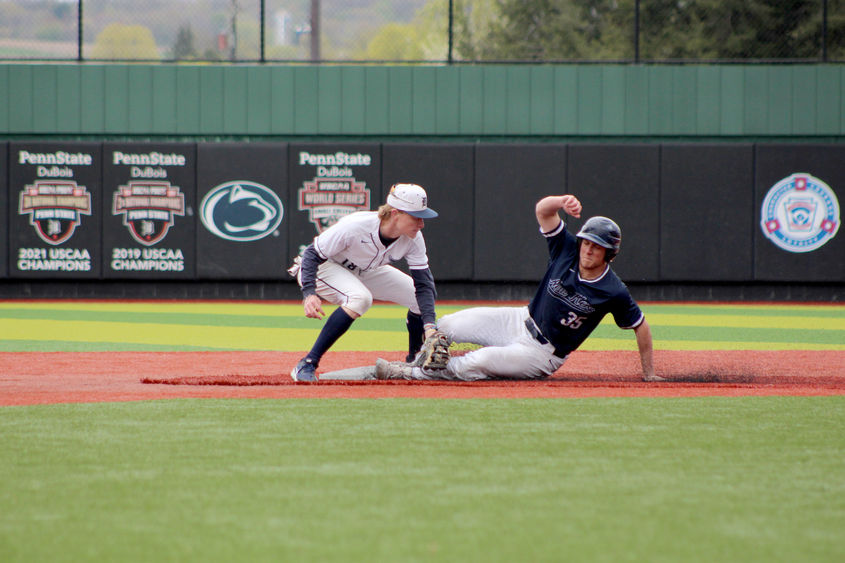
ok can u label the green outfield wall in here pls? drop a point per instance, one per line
(206, 100)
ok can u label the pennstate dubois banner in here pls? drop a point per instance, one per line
(149, 192)
(54, 203)
(327, 182)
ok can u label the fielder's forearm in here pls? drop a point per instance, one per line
(308, 270)
(425, 294)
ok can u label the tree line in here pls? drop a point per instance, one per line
(458, 30)
(544, 30)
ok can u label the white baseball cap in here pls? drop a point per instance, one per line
(411, 199)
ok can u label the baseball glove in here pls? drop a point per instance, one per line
(434, 353)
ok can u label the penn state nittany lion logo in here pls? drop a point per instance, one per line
(241, 211)
(55, 208)
(800, 213)
(148, 209)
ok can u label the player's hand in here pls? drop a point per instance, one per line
(313, 307)
(571, 205)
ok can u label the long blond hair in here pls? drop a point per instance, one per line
(384, 212)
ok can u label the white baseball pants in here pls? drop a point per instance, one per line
(357, 290)
(510, 352)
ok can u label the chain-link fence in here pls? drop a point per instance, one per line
(436, 31)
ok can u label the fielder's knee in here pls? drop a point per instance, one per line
(359, 302)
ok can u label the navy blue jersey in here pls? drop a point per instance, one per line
(566, 308)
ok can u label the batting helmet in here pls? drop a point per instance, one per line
(604, 232)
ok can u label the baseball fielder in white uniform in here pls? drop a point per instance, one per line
(348, 265)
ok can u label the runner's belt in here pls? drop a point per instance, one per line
(538, 336)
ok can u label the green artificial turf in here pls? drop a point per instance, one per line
(190, 326)
(693, 479)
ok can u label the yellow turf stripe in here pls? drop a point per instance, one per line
(239, 338)
(249, 309)
(840, 308)
(595, 343)
(269, 309)
(382, 311)
(745, 321)
(286, 339)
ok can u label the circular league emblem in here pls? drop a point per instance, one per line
(800, 213)
(241, 211)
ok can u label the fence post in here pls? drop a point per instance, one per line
(824, 31)
(451, 28)
(261, 34)
(315, 30)
(637, 31)
(79, 33)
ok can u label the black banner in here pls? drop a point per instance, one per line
(622, 182)
(704, 211)
(4, 210)
(149, 228)
(448, 176)
(510, 179)
(54, 201)
(242, 231)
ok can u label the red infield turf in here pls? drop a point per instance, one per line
(72, 377)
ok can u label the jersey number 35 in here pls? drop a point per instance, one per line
(573, 321)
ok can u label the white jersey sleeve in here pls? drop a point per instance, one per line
(416, 257)
(334, 240)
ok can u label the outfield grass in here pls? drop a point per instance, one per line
(705, 479)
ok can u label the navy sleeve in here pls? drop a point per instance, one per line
(560, 241)
(425, 293)
(308, 270)
(627, 313)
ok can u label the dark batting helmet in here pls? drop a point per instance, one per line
(604, 232)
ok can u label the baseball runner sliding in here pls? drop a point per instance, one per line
(578, 289)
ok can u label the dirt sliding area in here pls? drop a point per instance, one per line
(28, 378)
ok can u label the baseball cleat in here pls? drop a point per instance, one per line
(393, 370)
(654, 378)
(304, 371)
